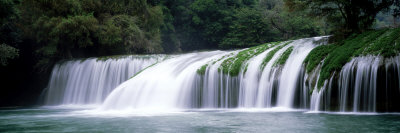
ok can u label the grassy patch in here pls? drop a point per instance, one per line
(272, 53)
(283, 58)
(233, 65)
(317, 55)
(383, 42)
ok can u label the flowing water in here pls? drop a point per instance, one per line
(76, 120)
(90, 81)
(199, 92)
(365, 84)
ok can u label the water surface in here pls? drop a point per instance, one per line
(235, 120)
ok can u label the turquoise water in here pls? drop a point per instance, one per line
(80, 120)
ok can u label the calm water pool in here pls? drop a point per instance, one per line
(81, 120)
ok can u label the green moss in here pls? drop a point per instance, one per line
(272, 53)
(317, 55)
(202, 69)
(245, 68)
(283, 58)
(383, 42)
(233, 65)
(387, 45)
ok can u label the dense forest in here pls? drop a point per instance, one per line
(36, 34)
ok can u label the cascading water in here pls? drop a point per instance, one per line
(290, 72)
(267, 76)
(90, 81)
(365, 84)
(174, 83)
(163, 86)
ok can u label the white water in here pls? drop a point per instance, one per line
(266, 84)
(249, 81)
(174, 84)
(213, 84)
(90, 81)
(291, 71)
(358, 85)
(162, 86)
(363, 83)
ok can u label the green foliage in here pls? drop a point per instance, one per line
(7, 53)
(285, 55)
(236, 24)
(233, 65)
(386, 45)
(248, 28)
(317, 55)
(383, 42)
(82, 28)
(202, 69)
(347, 16)
(293, 25)
(58, 36)
(9, 33)
(272, 53)
(85, 28)
(122, 31)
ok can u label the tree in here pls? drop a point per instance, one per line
(248, 28)
(83, 28)
(396, 12)
(287, 25)
(7, 53)
(9, 33)
(348, 15)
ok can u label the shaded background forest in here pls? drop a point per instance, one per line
(35, 34)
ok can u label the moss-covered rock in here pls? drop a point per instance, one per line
(202, 69)
(272, 53)
(283, 58)
(233, 65)
(384, 42)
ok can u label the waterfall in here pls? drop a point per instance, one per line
(291, 70)
(249, 82)
(90, 81)
(362, 84)
(175, 83)
(267, 76)
(166, 85)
